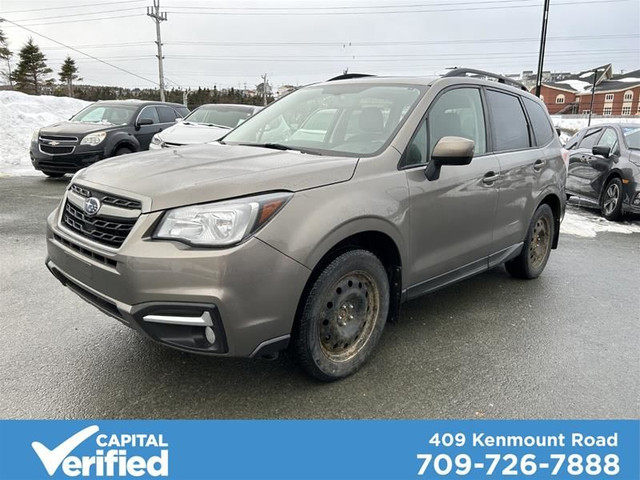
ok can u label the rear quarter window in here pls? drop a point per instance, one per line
(540, 123)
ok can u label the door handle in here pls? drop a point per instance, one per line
(539, 164)
(490, 177)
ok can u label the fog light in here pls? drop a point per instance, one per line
(210, 335)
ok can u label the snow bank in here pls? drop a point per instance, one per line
(571, 124)
(587, 223)
(20, 115)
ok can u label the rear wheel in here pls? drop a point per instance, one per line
(537, 246)
(611, 201)
(53, 174)
(343, 316)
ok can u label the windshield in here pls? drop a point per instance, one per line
(220, 115)
(632, 136)
(107, 114)
(349, 119)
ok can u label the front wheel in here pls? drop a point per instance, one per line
(611, 202)
(343, 316)
(537, 246)
(122, 151)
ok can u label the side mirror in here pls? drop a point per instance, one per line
(601, 150)
(144, 121)
(449, 151)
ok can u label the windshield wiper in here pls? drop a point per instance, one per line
(279, 146)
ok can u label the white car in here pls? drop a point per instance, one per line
(205, 124)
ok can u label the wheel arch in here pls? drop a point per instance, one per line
(382, 245)
(124, 141)
(554, 202)
(612, 174)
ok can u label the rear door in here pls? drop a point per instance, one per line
(452, 217)
(526, 166)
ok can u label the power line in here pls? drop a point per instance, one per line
(79, 51)
(73, 6)
(289, 12)
(85, 14)
(81, 20)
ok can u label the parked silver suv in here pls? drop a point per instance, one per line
(313, 239)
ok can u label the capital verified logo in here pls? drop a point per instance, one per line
(106, 455)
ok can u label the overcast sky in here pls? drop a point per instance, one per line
(233, 42)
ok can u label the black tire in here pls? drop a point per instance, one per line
(537, 246)
(343, 316)
(611, 200)
(122, 151)
(53, 174)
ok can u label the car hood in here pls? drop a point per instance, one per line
(75, 128)
(188, 134)
(193, 174)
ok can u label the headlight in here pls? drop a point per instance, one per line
(220, 224)
(94, 138)
(35, 135)
(156, 140)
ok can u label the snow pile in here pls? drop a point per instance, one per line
(571, 125)
(20, 115)
(588, 223)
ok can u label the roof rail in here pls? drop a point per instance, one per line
(462, 72)
(348, 76)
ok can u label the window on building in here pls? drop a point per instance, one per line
(586, 111)
(542, 98)
(560, 98)
(628, 96)
(626, 110)
(606, 111)
(608, 97)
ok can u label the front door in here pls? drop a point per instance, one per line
(451, 218)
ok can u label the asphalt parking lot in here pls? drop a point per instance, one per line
(562, 346)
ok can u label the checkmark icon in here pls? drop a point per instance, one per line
(51, 459)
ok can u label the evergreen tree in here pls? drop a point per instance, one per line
(6, 54)
(68, 73)
(32, 71)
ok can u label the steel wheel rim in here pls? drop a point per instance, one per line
(348, 316)
(540, 242)
(611, 198)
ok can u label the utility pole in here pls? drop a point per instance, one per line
(593, 95)
(543, 44)
(157, 17)
(264, 89)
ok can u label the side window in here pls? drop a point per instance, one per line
(167, 114)
(510, 129)
(457, 113)
(416, 153)
(590, 138)
(149, 112)
(540, 122)
(609, 139)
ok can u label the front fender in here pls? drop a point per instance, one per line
(119, 139)
(314, 221)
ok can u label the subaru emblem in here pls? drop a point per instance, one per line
(91, 206)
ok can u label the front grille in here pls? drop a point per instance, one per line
(56, 150)
(102, 229)
(59, 138)
(107, 199)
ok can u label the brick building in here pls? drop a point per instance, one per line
(614, 94)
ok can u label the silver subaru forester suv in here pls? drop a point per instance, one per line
(309, 224)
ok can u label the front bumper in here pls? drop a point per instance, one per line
(81, 157)
(250, 292)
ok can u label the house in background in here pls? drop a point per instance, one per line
(614, 94)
